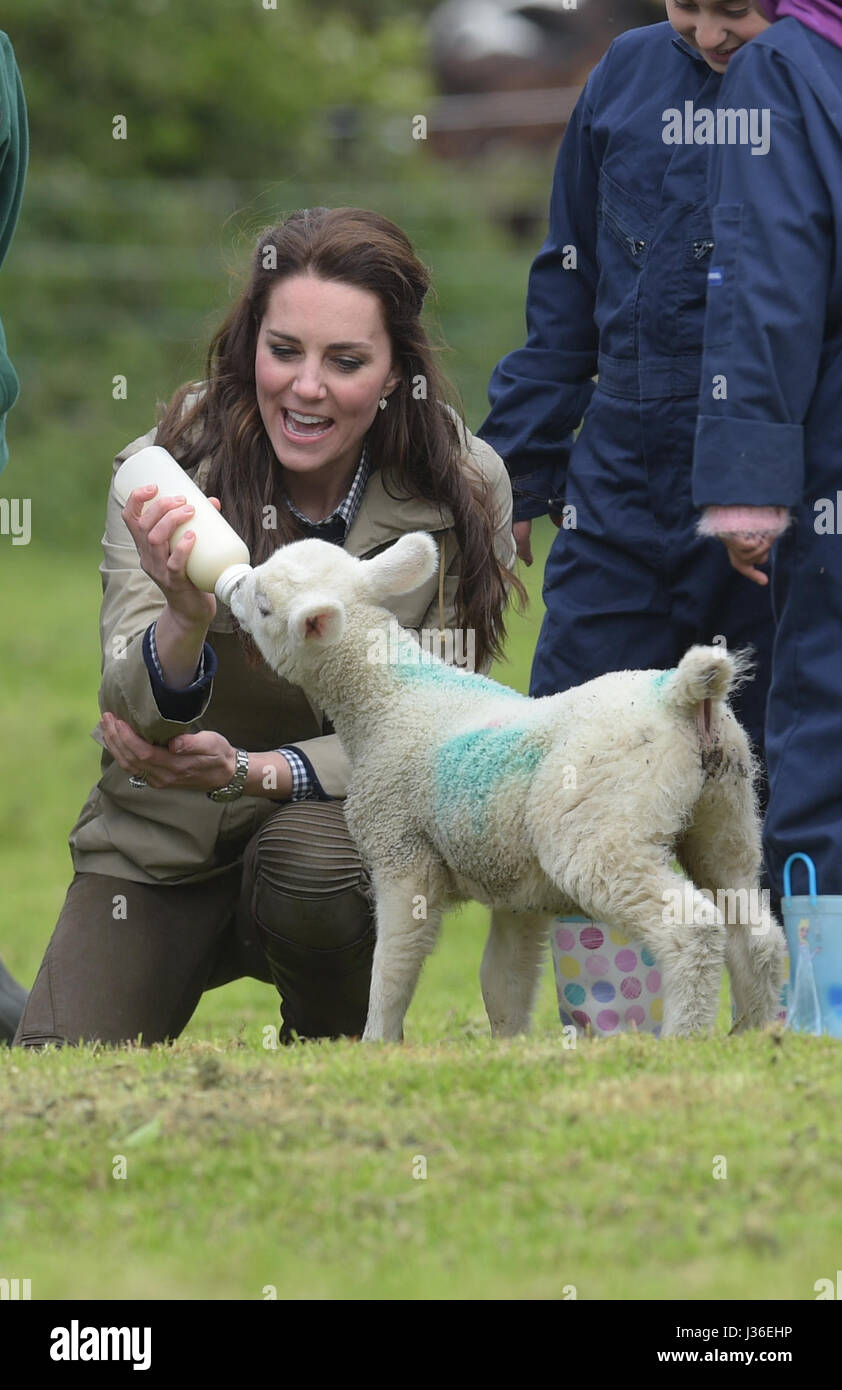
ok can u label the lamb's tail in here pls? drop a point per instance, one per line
(704, 676)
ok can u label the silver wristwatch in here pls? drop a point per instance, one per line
(238, 781)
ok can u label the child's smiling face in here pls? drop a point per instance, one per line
(715, 28)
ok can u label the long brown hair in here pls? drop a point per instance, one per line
(415, 442)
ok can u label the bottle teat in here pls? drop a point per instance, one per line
(228, 581)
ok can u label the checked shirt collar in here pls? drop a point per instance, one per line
(335, 527)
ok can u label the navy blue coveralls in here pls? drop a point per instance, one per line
(618, 289)
(774, 330)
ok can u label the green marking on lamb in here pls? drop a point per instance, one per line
(443, 677)
(472, 766)
(662, 678)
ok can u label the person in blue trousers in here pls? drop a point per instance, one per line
(769, 452)
(14, 151)
(618, 291)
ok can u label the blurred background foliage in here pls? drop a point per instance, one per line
(129, 251)
(217, 88)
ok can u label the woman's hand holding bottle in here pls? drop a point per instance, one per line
(151, 520)
(180, 631)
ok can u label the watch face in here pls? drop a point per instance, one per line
(238, 781)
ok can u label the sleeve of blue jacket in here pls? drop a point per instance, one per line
(14, 152)
(539, 393)
(767, 297)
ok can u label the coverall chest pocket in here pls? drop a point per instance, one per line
(687, 331)
(625, 229)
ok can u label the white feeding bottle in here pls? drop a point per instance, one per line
(219, 559)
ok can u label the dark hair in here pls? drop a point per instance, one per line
(415, 443)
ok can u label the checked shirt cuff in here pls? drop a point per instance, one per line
(304, 787)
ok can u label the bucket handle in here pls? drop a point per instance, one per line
(811, 875)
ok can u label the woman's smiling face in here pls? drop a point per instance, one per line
(715, 28)
(323, 360)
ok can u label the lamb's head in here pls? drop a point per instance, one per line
(294, 604)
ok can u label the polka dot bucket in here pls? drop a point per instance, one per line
(606, 984)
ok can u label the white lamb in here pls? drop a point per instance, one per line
(575, 803)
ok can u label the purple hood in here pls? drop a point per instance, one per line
(824, 16)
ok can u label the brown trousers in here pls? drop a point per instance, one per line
(130, 961)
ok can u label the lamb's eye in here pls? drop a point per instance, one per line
(264, 607)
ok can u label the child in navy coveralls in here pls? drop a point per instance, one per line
(618, 291)
(770, 451)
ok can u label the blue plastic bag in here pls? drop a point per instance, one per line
(813, 927)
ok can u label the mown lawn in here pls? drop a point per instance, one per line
(545, 1169)
(249, 1170)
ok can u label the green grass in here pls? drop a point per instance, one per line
(545, 1169)
(249, 1167)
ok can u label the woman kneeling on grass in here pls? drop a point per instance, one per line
(227, 854)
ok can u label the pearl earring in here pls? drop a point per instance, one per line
(384, 401)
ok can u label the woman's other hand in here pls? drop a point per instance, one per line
(199, 762)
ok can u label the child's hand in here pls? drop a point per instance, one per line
(747, 551)
(748, 533)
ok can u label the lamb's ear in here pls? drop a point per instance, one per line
(320, 621)
(407, 564)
